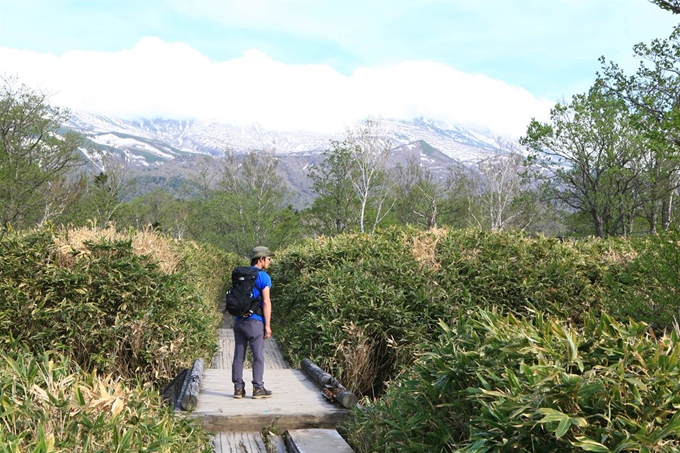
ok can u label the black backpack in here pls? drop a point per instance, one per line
(240, 301)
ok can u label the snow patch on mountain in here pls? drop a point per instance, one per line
(158, 139)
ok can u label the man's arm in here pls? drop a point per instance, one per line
(267, 311)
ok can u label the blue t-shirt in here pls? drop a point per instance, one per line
(262, 281)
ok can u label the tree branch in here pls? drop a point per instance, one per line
(669, 5)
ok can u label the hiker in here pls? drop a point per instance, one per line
(254, 329)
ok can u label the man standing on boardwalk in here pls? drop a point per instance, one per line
(254, 329)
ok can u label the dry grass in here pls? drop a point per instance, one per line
(424, 248)
(70, 244)
(359, 368)
(611, 256)
(55, 407)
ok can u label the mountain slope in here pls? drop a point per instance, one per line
(155, 141)
(166, 153)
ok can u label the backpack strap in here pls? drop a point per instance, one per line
(255, 306)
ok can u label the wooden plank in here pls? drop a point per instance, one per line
(316, 440)
(239, 442)
(296, 403)
(248, 442)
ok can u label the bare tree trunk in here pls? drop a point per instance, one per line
(667, 211)
(598, 223)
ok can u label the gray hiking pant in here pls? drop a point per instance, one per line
(248, 331)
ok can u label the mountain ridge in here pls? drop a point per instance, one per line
(160, 152)
(154, 141)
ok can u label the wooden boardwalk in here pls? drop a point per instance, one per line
(297, 402)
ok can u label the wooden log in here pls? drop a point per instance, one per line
(346, 398)
(332, 389)
(341, 395)
(172, 391)
(180, 396)
(320, 376)
(189, 399)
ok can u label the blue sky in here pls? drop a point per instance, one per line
(321, 64)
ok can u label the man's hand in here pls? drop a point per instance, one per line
(267, 332)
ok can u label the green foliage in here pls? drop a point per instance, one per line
(335, 209)
(498, 383)
(36, 163)
(647, 288)
(48, 404)
(500, 195)
(669, 5)
(419, 193)
(513, 270)
(354, 304)
(592, 153)
(157, 208)
(125, 311)
(352, 185)
(106, 306)
(650, 93)
(248, 206)
(361, 306)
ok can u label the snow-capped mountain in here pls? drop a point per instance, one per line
(152, 142)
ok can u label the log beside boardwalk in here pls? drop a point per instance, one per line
(332, 389)
(192, 385)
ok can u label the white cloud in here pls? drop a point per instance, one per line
(173, 80)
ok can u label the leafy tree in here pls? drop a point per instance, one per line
(590, 152)
(158, 209)
(499, 196)
(37, 163)
(351, 183)
(247, 207)
(652, 95)
(335, 206)
(657, 184)
(419, 194)
(108, 189)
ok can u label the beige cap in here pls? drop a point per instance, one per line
(260, 252)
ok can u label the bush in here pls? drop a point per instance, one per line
(498, 383)
(357, 305)
(515, 271)
(131, 304)
(362, 306)
(648, 288)
(48, 404)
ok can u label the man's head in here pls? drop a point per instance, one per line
(261, 257)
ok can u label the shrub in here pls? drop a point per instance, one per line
(648, 288)
(362, 306)
(354, 304)
(515, 271)
(48, 404)
(500, 383)
(133, 304)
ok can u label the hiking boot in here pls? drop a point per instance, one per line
(239, 393)
(261, 392)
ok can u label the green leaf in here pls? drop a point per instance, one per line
(563, 427)
(590, 445)
(551, 415)
(590, 389)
